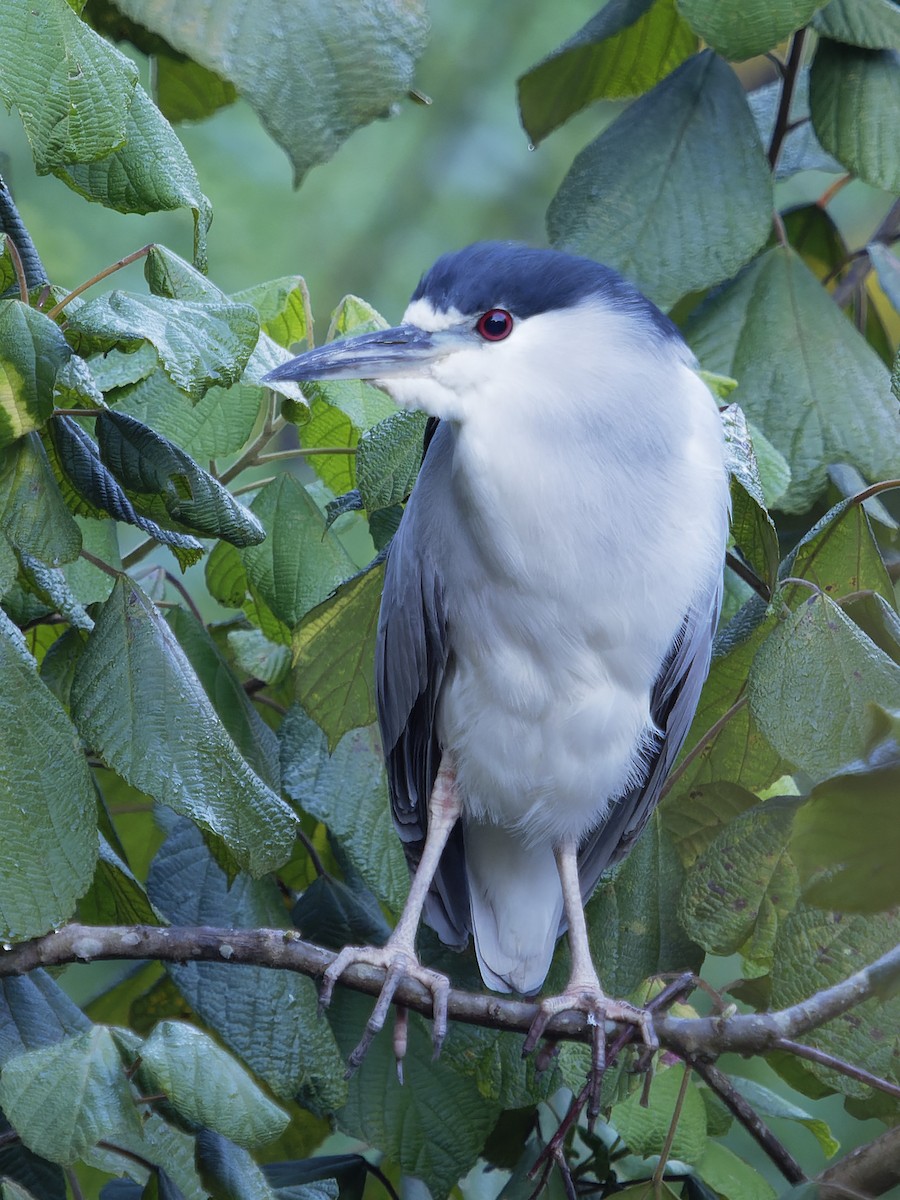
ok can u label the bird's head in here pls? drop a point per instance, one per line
(497, 318)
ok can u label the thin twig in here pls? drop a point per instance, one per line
(89, 283)
(74, 1185)
(789, 79)
(99, 563)
(673, 1126)
(313, 853)
(301, 452)
(184, 593)
(748, 575)
(856, 276)
(751, 1121)
(18, 268)
(830, 192)
(813, 1054)
(377, 1173)
(129, 1154)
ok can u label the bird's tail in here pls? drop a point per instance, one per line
(516, 905)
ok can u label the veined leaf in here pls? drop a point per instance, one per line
(138, 702)
(873, 24)
(644, 1129)
(33, 351)
(185, 91)
(699, 170)
(45, 529)
(741, 29)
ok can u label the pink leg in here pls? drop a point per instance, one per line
(398, 955)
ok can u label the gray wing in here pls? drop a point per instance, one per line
(673, 703)
(411, 656)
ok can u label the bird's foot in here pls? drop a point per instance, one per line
(398, 964)
(599, 1008)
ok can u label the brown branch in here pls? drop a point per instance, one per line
(57, 308)
(813, 1054)
(283, 949)
(783, 116)
(750, 1119)
(856, 276)
(868, 1170)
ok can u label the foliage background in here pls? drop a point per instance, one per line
(368, 222)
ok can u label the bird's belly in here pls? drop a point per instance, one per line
(546, 734)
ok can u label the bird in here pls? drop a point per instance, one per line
(550, 600)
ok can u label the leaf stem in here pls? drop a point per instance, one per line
(18, 268)
(701, 745)
(673, 1126)
(301, 452)
(856, 276)
(813, 1054)
(184, 593)
(89, 283)
(789, 80)
(99, 563)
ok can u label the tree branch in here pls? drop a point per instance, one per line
(868, 1170)
(695, 1038)
(789, 79)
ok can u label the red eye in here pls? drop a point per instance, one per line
(494, 325)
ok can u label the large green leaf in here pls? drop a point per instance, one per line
(149, 172)
(845, 862)
(33, 514)
(744, 28)
(205, 1086)
(47, 801)
(148, 464)
(644, 1128)
(817, 949)
(313, 74)
(676, 193)
(434, 1126)
(798, 360)
(63, 1098)
(854, 99)
(71, 87)
(20, 1168)
(388, 458)
(199, 344)
(730, 1176)
(628, 47)
(32, 351)
(266, 1017)
(743, 884)
(839, 555)
(300, 561)
(115, 897)
(283, 307)
(874, 24)
(334, 653)
(751, 526)
(137, 700)
(810, 685)
(185, 91)
(35, 1012)
(347, 791)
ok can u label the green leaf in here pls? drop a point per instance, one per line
(9, 565)
(685, 156)
(46, 528)
(741, 29)
(33, 351)
(115, 897)
(73, 90)
(252, 736)
(632, 917)
(92, 491)
(137, 700)
(145, 462)
(743, 884)
(268, 1018)
(283, 307)
(347, 791)
(334, 656)
(150, 172)
(300, 561)
(48, 805)
(627, 48)
(228, 1170)
(332, 914)
(645, 1129)
(730, 1176)
(388, 458)
(854, 98)
(257, 657)
(327, 72)
(815, 950)
(198, 344)
(887, 267)
(7, 270)
(811, 660)
(63, 1098)
(35, 1012)
(840, 556)
(797, 359)
(874, 24)
(707, 809)
(185, 91)
(434, 1126)
(206, 1086)
(844, 862)
(751, 526)
(770, 1104)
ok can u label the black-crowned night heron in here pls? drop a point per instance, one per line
(549, 603)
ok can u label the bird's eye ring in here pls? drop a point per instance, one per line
(494, 325)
